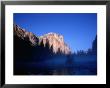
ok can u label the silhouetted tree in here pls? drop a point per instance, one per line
(94, 46)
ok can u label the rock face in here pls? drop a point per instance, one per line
(55, 41)
(31, 51)
(23, 34)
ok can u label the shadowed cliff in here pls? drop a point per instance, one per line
(32, 49)
(50, 55)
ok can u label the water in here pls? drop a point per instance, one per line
(79, 65)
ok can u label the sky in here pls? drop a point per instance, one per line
(78, 29)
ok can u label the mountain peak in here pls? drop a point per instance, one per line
(25, 35)
(54, 40)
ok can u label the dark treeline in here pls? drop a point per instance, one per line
(25, 54)
(90, 51)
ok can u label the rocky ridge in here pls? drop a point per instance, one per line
(54, 40)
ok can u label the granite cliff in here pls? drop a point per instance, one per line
(30, 49)
(54, 40)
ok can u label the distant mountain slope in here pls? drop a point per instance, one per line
(25, 35)
(54, 40)
(29, 48)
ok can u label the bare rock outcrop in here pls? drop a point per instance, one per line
(31, 51)
(25, 35)
(55, 41)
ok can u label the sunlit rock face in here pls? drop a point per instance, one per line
(39, 54)
(25, 35)
(55, 41)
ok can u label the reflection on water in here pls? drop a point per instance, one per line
(79, 65)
